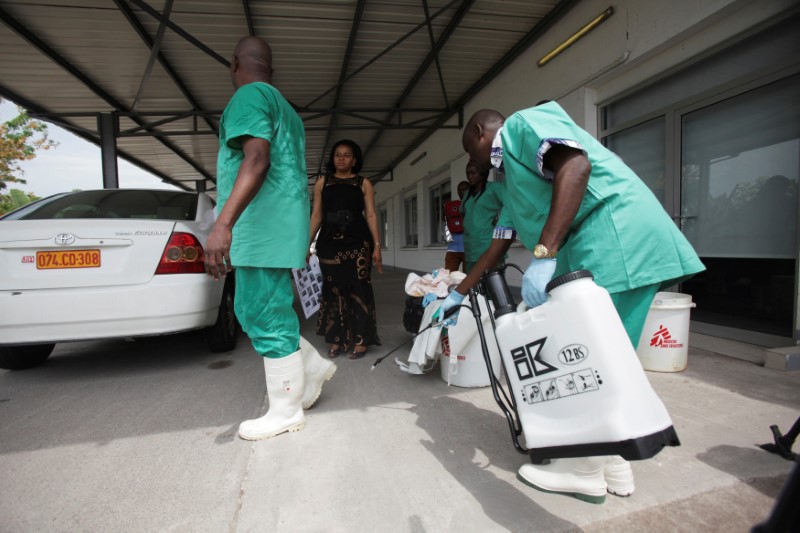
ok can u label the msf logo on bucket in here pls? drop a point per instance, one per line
(663, 339)
(528, 361)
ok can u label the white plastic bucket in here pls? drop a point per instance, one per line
(468, 369)
(664, 344)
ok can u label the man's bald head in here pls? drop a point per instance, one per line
(252, 61)
(487, 118)
(478, 136)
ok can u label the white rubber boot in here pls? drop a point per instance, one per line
(317, 371)
(285, 393)
(619, 476)
(581, 477)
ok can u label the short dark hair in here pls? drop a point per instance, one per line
(331, 168)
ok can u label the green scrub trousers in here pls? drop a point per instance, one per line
(633, 306)
(263, 305)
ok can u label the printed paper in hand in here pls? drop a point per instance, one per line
(308, 281)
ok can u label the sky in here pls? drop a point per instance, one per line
(73, 164)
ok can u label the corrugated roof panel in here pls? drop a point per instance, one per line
(309, 40)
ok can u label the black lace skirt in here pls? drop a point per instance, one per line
(347, 310)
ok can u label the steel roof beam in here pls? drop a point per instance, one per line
(215, 114)
(458, 107)
(435, 50)
(321, 127)
(36, 110)
(385, 51)
(432, 55)
(180, 31)
(157, 123)
(248, 18)
(29, 36)
(186, 35)
(54, 56)
(528, 39)
(155, 52)
(308, 115)
(359, 127)
(351, 41)
(165, 64)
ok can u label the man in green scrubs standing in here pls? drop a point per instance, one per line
(576, 205)
(262, 230)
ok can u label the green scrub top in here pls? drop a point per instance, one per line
(480, 214)
(272, 231)
(621, 232)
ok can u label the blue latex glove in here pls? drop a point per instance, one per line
(536, 278)
(428, 298)
(453, 299)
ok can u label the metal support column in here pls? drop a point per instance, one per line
(108, 127)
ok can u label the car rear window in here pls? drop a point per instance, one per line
(112, 203)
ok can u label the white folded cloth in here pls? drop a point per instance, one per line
(436, 282)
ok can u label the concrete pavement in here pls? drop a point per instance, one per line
(386, 451)
(140, 436)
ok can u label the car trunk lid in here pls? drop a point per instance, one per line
(41, 254)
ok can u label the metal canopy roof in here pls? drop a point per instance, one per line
(384, 73)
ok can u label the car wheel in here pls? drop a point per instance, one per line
(22, 357)
(222, 336)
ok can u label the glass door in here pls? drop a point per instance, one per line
(740, 160)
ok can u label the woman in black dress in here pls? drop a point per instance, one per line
(348, 246)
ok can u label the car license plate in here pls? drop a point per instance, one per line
(68, 259)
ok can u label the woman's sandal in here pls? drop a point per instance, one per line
(358, 354)
(333, 353)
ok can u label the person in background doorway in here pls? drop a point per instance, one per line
(454, 257)
(575, 205)
(261, 230)
(481, 206)
(347, 247)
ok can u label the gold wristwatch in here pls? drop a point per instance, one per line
(540, 251)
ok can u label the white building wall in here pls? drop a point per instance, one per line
(643, 40)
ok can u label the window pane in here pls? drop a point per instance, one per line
(642, 149)
(113, 203)
(739, 193)
(754, 53)
(383, 225)
(411, 221)
(439, 194)
(739, 174)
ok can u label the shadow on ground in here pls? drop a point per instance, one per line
(741, 463)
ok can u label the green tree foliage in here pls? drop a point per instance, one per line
(20, 139)
(15, 199)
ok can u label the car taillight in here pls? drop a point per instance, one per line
(182, 255)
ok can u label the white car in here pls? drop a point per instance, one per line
(108, 263)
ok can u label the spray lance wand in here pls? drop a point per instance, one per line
(436, 324)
